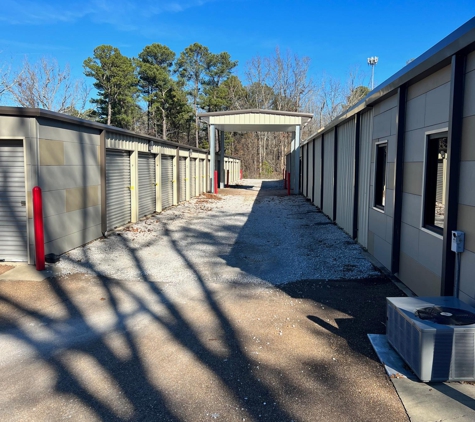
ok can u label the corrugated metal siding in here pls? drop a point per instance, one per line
(328, 166)
(13, 222)
(193, 177)
(318, 169)
(167, 181)
(182, 179)
(147, 184)
(305, 170)
(310, 170)
(345, 180)
(366, 133)
(118, 197)
(120, 141)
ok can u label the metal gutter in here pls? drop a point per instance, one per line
(254, 111)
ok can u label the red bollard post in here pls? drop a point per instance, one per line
(39, 230)
(288, 183)
(216, 181)
(227, 178)
(240, 174)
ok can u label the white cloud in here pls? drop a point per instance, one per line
(124, 14)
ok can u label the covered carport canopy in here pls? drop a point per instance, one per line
(255, 121)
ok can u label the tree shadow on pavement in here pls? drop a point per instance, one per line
(89, 347)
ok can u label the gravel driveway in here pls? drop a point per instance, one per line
(244, 307)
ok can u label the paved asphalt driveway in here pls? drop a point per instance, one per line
(217, 338)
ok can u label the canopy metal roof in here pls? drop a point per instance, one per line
(256, 120)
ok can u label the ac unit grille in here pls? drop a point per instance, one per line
(463, 362)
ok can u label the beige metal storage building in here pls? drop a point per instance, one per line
(93, 177)
(397, 171)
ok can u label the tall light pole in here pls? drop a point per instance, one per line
(372, 61)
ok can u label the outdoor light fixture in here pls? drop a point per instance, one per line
(150, 146)
(372, 61)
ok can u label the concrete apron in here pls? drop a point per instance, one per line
(425, 402)
(22, 271)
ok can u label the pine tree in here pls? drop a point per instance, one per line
(116, 84)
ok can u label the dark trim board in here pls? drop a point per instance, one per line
(454, 145)
(322, 161)
(335, 171)
(399, 174)
(313, 173)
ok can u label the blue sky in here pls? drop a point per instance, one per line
(336, 36)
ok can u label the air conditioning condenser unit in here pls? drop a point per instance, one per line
(434, 335)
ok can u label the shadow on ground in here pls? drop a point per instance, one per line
(88, 347)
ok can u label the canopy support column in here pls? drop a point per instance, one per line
(212, 153)
(295, 156)
(221, 160)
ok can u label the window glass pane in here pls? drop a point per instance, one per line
(435, 182)
(440, 182)
(380, 176)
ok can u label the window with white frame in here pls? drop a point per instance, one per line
(380, 175)
(435, 177)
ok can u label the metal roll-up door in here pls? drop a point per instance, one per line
(364, 182)
(193, 177)
(13, 233)
(147, 184)
(202, 176)
(328, 176)
(304, 170)
(118, 203)
(199, 179)
(310, 147)
(182, 178)
(345, 180)
(317, 173)
(167, 181)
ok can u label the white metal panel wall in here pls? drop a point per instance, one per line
(167, 181)
(317, 180)
(304, 170)
(118, 197)
(345, 180)
(310, 169)
(13, 219)
(328, 166)
(366, 133)
(182, 179)
(193, 177)
(147, 184)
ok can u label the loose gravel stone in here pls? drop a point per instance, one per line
(295, 241)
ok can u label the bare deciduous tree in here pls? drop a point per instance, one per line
(279, 82)
(45, 85)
